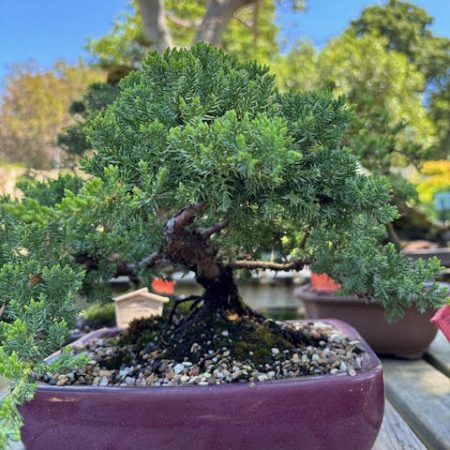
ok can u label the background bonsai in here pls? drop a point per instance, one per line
(200, 164)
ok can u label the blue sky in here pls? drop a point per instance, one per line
(47, 30)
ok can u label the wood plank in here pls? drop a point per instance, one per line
(395, 433)
(421, 395)
(438, 354)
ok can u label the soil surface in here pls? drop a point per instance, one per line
(215, 350)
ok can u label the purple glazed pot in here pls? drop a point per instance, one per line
(321, 412)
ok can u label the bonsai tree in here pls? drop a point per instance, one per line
(201, 165)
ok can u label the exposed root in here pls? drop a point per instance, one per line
(178, 301)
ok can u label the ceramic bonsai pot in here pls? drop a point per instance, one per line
(321, 412)
(408, 338)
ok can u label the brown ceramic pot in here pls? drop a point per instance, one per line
(409, 337)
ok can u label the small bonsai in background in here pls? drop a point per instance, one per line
(200, 165)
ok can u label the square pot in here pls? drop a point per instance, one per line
(315, 412)
(408, 338)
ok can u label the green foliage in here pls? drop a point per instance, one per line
(406, 29)
(97, 316)
(73, 138)
(51, 191)
(37, 302)
(196, 126)
(394, 73)
(34, 108)
(389, 128)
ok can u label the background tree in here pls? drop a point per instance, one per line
(243, 27)
(35, 108)
(406, 28)
(246, 28)
(393, 72)
(390, 125)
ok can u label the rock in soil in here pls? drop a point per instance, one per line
(152, 354)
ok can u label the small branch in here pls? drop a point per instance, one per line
(182, 22)
(179, 301)
(183, 217)
(304, 239)
(214, 229)
(150, 260)
(393, 237)
(255, 24)
(296, 264)
(244, 22)
(216, 19)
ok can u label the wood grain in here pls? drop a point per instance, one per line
(421, 395)
(395, 433)
(438, 354)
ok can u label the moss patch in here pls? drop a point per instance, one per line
(244, 337)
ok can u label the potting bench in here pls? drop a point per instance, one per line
(417, 412)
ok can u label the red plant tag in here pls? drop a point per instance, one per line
(442, 320)
(322, 282)
(163, 286)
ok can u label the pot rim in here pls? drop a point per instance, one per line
(308, 293)
(371, 365)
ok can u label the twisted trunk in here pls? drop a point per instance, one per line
(194, 251)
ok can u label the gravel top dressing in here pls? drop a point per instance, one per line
(241, 350)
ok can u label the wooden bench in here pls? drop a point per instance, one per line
(417, 413)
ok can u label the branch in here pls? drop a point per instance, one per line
(183, 217)
(296, 264)
(154, 24)
(182, 22)
(150, 260)
(214, 229)
(244, 22)
(393, 236)
(255, 24)
(216, 19)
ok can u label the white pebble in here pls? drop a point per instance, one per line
(178, 368)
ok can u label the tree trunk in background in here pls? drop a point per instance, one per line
(154, 24)
(216, 19)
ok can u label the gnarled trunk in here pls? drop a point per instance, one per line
(221, 292)
(196, 252)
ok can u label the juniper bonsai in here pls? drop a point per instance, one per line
(200, 165)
